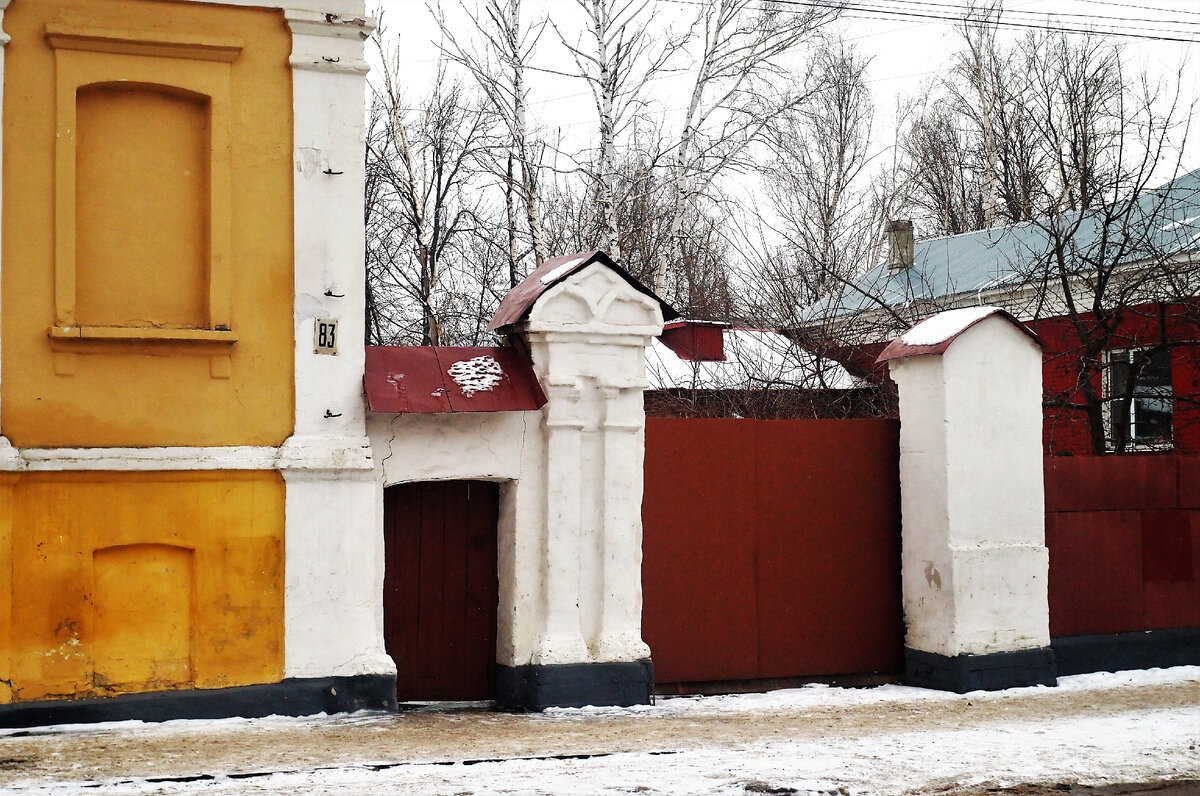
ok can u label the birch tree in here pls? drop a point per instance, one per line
(1075, 146)
(616, 57)
(499, 66)
(738, 86)
(422, 162)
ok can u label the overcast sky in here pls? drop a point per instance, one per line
(907, 41)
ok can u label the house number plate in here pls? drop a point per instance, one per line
(325, 334)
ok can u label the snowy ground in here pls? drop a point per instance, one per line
(891, 740)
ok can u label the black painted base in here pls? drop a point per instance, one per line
(993, 672)
(1120, 651)
(292, 697)
(573, 685)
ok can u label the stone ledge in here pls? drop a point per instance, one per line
(992, 672)
(1117, 652)
(536, 687)
(291, 697)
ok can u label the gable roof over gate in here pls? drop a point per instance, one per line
(515, 305)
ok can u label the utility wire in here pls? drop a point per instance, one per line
(868, 12)
(1047, 16)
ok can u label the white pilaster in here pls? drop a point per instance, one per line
(588, 336)
(974, 556)
(9, 458)
(334, 572)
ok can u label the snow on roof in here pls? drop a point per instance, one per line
(559, 271)
(935, 334)
(945, 326)
(754, 359)
(479, 374)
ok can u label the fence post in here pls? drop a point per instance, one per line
(579, 579)
(974, 556)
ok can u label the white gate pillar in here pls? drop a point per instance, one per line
(974, 556)
(578, 576)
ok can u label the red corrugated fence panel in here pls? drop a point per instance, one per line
(771, 548)
(1095, 572)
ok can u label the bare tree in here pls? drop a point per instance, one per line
(1112, 256)
(818, 180)
(420, 163)
(499, 67)
(948, 189)
(616, 57)
(1055, 134)
(739, 85)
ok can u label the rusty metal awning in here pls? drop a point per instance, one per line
(431, 379)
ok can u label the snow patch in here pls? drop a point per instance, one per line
(1181, 223)
(945, 325)
(561, 270)
(754, 359)
(480, 374)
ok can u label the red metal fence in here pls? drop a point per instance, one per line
(1124, 538)
(771, 548)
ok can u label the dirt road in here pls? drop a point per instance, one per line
(180, 751)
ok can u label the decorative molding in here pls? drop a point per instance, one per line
(342, 66)
(319, 23)
(343, 8)
(4, 37)
(326, 454)
(319, 454)
(325, 42)
(147, 333)
(128, 42)
(183, 63)
(146, 459)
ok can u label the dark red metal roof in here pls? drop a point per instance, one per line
(430, 379)
(898, 349)
(697, 341)
(516, 303)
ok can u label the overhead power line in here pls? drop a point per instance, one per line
(972, 18)
(930, 11)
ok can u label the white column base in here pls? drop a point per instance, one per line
(333, 605)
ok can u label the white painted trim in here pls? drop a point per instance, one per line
(333, 458)
(330, 453)
(147, 459)
(333, 581)
(313, 51)
(328, 95)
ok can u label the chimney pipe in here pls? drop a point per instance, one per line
(900, 244)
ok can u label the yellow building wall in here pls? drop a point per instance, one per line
(119, 582)
(147, 229)
(147, 301)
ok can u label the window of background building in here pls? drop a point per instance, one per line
(1140, 404)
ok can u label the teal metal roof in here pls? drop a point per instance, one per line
(1166, 222)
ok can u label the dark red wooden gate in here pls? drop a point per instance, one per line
(440, 588)
(771, 549)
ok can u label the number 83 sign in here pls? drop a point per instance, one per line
(325, 331)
